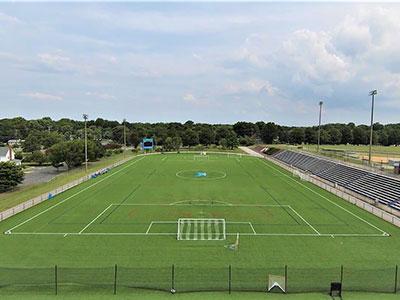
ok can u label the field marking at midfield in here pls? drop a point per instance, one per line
(91, 222)
(77, 193)
(384, 233)
(304, 220)
(184, 204)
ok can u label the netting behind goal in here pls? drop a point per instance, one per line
(201, 229)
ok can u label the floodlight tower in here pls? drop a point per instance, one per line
(85, 117)
(319, 124)
(372, 94)
(124, 121)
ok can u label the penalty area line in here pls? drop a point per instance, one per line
(384, 233)
(98, 216)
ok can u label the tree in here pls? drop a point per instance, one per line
(336, 136)
(269, 132)
(10, 176)
(206, 135)
(190, 138)
(74, 153)
(297, 135)
(347, 135)
(32, 142)
(176, 143)
(38, 157)
(359, 136)
(232, 140)
(310, 135)
(168, 144)
(244, 129)
(56, 155)
(51, 138)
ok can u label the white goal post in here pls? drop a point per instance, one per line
(201, 229)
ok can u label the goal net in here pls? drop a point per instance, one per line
(201, 229)
(201, 156)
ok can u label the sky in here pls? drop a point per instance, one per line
(206, 62)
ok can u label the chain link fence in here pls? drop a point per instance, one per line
(179, 279)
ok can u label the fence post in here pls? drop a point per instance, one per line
(56, 279)
(395, 279)
(286, 279)
(341, 275)
(115, 279)
(230, 279)
(173, 279)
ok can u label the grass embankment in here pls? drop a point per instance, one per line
(24, 193)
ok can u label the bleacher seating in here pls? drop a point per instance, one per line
(377, 187)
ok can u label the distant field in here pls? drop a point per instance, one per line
(129, 217)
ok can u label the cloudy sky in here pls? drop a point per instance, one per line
(208, 62)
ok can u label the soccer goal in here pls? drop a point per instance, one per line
(201, 156)
(201, 229)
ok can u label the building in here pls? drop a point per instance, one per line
(7, 154)
(14, 143)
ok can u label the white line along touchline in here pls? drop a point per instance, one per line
(77, 193)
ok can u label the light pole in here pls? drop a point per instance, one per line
(319, 124)
(372, 94)
(124, 121)
(85, 117)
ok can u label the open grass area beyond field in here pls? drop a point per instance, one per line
(118, 232)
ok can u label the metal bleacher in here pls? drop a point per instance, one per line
(377, 187)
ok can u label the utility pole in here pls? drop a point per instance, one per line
(372, 94)
(319, 125)
(85, 117)
(124, 121)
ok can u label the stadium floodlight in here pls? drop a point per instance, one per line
(372, 94)
(85, 117)
(319, 124)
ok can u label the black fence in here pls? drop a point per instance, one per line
(178, 279)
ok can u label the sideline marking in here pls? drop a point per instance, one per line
(330, 201)
(77, 193)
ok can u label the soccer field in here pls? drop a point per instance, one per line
(185, 210)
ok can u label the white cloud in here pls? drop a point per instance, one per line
(9, 19)
(311, 56)
(42, 96)
(251, 86)
(102, 96)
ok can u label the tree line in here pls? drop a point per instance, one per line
(45, 133)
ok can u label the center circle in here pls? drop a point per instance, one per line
(200, 174)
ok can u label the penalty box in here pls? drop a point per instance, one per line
(163, 219)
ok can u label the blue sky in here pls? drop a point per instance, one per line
(207, 62)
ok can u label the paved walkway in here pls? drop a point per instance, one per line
(250, 151)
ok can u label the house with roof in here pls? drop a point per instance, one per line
(7, 154)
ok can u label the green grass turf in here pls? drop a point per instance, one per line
(297, 224)
(24, 193)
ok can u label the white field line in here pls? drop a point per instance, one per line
(330, 201)
(148, 229)
(252, 228)
(91, 222)
(199, 204)
(77, 193)
(304, 220)
(329, 235)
